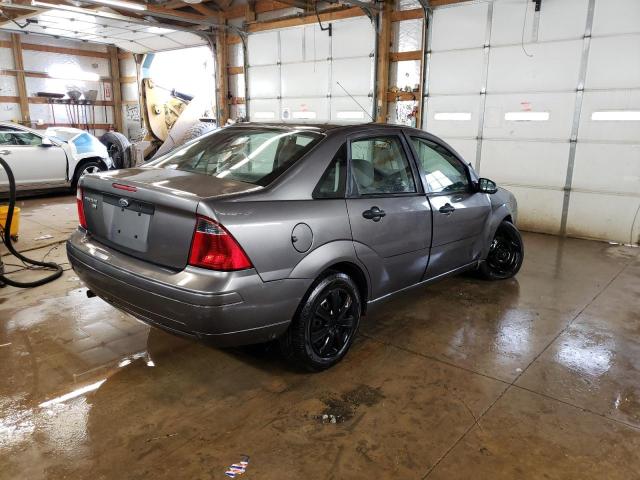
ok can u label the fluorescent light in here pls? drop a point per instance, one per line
(76, 393)
(453, 116)
(264, 115)
(527, 116)
(617, 115)
(121, 4)
(347, 115)
(158, 30)
(304, 115)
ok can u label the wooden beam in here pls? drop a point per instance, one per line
(204, 10)
(114, 67)
(222, 103)
(402, 96)
(18, 64)
(235, 70)
(382, 79)
(327, 16)
(404, 56)
(42, 101)
(412, 14)
(233, 39)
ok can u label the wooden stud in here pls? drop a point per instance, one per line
(23, 97)
(405, 56)
(235, 70)
(382, 77)
(412, 14)
(222, 77)
(327, 16)
(114, 66)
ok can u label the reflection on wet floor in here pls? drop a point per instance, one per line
(533, 377)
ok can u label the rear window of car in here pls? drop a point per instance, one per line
(257, 156)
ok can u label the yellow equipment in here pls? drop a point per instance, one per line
(15, 223)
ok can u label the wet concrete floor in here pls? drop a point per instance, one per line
(536, 377)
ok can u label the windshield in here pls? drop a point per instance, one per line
(251, 155)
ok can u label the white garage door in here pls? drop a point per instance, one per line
(556, 118)
(295, 74)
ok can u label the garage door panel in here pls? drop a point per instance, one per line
(558, 21)
(468, 22)
(609, 65)
(264, 110)
(292, 45)
(456, 72)
(554, 66)
(540, 164)
(353, 38)
(607, 167)
(345, 110)
(453, 115)
(264, 82)
(466, 148)
(616, 16)
(8, 86)
(558, 106)
(609, 130)
(305, 79)
(354, 74)
(262, 48)
(305, 109)
(593, 215)
(539, 209)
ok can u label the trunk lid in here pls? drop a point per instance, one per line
(150, 213)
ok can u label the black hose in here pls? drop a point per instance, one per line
(7, 241)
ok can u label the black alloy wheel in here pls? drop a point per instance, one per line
(506, 253)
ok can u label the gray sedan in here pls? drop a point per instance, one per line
(258, 232)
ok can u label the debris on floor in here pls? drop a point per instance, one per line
(341, 409)
(238, 468)
(44, 237)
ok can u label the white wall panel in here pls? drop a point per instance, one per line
(9, 111)
(353, 38)
(460, 104)
(8, 86)
(603, 216)
(554, 23)
(540, 164)
(344, 105)
(235, 55)
(559, 106)
(264, 82)
(264, 110)
(57, 85)
(354, 74)
(43, 112)
(305, 109)
(611, 62)
(262, 48)
(607, 167)
(554, 66)
(539, 209)
(292, 45)
(609, 131)
(461, 26)
(305, 79)
(129, 92)
(43, 61)
(6, 58)
(236, 85)
(458, 71)
(616, 17)
(466, 148)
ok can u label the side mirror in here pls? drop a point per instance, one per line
(487, 186)
(46, 142)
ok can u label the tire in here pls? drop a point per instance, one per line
(119, 149)
(91, 166)
(506, 253)
(196, 130)
(321, 333)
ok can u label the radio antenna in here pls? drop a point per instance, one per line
(351, 96)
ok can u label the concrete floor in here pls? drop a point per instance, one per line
(537, 377)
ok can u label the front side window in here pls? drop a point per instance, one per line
(379, 166)
(18, 137)
(250, 155)
(444, 173)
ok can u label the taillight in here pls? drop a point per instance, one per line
(214, 248)
(80, 203)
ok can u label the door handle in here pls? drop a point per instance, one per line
(446, 209)
(374, 214)
(5, 152)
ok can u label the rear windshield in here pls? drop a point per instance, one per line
(256, 156)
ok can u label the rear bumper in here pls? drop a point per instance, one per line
(228, 308)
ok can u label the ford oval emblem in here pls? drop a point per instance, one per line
(123, 202)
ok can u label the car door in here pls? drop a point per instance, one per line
(459, 211)
(34, 163)
(389, 215)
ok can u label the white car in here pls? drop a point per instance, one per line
(55, 158)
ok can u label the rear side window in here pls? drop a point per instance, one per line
(250, 155)
(379, 166)
(333, 182)
(444, 173)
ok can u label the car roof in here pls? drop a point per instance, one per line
(321, 127)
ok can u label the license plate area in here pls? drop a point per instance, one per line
(127, 221)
